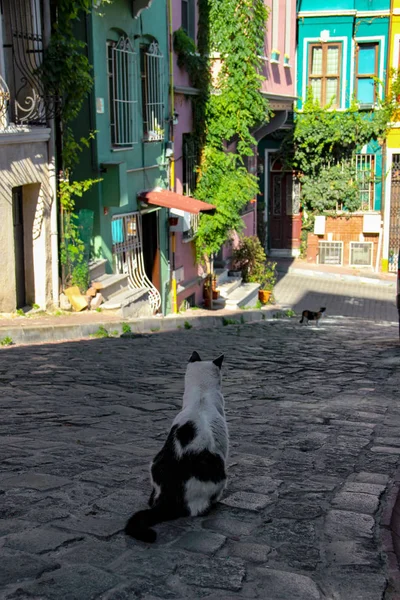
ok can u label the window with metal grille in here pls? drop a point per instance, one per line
(189, 163)
(188, 17)
(152, 76)
(366, 74)
(330, 253)
(324, 72)
(361, 254)
(22, 91)
(365, 167)
(122, 92)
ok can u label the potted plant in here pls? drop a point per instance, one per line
(265, 275)
(275, 54)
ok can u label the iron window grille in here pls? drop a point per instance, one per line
(365, 169)
(330, 253)
(22, 94)
(152, 76)
(361, 254)
(394, 216)
(293, 190)
(189, 163)
(123, 96)
(324, 72)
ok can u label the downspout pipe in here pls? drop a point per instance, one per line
(52, 170)
(172, 158)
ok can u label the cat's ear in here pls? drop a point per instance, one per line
(218, 361)
(195, 357)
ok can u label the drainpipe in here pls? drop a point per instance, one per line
(172, 158)
(384, 260)
(51, 149)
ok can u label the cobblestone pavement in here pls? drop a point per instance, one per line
(314, 419)
(349, 299)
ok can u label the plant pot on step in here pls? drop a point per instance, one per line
(215, 294)
(264, 296)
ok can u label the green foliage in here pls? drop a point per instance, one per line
(6, 341)
(101, 333)
(232, 33)
(249, 256)
(187, 325)
(20, 312)
(265, 275)
(35, 306)
(126, 328)
(226, 321)
(323, 144)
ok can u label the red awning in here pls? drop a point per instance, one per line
(168, 199)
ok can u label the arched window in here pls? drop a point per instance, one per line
(122, 75)
(152, 77)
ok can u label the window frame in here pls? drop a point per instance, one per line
(366, 176)
(367, 75)
(324, 76)
(190, 10)
(152, 91)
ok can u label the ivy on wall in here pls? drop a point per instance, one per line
(323, 144)
(67, 77)
(226, 110)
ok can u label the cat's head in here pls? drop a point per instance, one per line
(205, 372)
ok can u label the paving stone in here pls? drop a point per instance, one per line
(99, 525)
(19, 566)
(230, 527)
(36, 481)
(351, 553)
(250, 552)
(283, 585)
(356, 502)
(374, 478)
(77, 582)
(40, 540)
(225, 574)
(343, 525)
(247, 501)
(385, 450)
(201, 541)
(358, 487)
(354, 584)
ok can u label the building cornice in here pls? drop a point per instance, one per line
(25, 136)
(186, 90)
(343, 13)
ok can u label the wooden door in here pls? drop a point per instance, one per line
(284, 211)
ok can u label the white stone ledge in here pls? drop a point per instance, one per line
(24, 136)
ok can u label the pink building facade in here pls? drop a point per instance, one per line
(279, 88)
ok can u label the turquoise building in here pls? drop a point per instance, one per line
(127, 44)
(342, 50)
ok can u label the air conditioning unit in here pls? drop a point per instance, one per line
(319, 225)
(372, 223)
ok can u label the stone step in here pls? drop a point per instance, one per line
(129, 303)
(97, 268)
(222, 276)
(229, 286)
(112, 284)
(244, 296)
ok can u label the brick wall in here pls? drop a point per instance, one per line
(344, 230)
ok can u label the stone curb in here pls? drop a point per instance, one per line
(36, 334)
(337, 276)
(390, 537)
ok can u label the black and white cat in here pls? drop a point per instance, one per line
(189, 473)
(310, 315)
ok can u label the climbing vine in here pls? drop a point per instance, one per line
(323, 144)
(67, 77)
(229, 105)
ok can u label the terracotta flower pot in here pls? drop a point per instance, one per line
(215, 294)
(264, 296)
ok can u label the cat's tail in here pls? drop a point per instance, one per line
(140, 524)
(302, 318)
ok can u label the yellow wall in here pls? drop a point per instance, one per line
(393, 139)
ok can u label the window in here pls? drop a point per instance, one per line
(122, 92)
(361, 254)
(366, 71)
(324, 72)
(152, 76)
(189, 162)
(189, 17)
(365, 166)
(330, 253)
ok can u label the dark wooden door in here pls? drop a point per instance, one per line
(19, 252)
(284, 212)
(151, 250)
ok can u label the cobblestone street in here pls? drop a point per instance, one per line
(314, 420)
